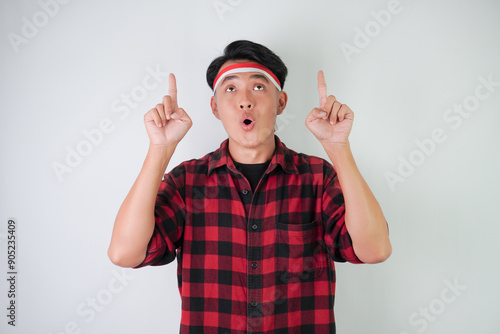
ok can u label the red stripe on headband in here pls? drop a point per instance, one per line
(241, 65)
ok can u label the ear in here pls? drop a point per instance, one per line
(282, 100)
(213, 105)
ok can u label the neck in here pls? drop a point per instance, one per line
(252, 155)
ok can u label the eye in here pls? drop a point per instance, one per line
(259, 87)
(230, 89)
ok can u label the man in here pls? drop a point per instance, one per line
(255, 226)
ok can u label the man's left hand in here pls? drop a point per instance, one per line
(331, 123)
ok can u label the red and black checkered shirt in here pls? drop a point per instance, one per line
(253, 261)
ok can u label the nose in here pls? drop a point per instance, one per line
(245, 101)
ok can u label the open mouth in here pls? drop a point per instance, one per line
(247, 122)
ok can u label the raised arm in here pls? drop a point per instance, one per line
(331, 124)
(166, 125)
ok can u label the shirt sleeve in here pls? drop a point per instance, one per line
(169, 222)
(337, 239)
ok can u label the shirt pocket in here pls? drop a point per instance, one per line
(300, 251)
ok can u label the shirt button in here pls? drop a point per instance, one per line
(254, 265)
(245, 191)
(254, 226)
(254, 303)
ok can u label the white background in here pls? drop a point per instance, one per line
(70, 71)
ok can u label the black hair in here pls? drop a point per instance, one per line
(243, 49)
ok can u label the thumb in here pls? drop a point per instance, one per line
(318, 113)
(178, 114)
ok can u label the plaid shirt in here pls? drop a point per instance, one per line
(252, 262)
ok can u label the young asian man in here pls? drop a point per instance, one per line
(255, 226)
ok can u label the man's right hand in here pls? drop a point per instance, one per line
(166, 124)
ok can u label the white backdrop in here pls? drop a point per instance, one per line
(422, 77)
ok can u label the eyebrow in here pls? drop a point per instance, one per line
(259, 76)
(254, 76)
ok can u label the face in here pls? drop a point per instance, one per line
(248, 104)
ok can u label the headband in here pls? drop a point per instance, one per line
(247, 67)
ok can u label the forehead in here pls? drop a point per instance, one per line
(239, 74)
(232, 70)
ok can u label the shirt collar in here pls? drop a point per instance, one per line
(281, 156)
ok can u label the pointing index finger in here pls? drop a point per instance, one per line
(172, 90)
(322, 89)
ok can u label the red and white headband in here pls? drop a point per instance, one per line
(247, 67)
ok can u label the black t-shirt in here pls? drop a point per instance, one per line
(253, 172)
